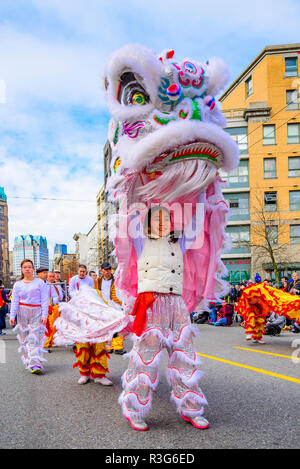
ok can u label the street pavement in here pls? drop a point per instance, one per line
(253, 399)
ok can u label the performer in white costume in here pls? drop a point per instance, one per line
(167, 141)
(30, 304)
(80, 280)
(162, 321)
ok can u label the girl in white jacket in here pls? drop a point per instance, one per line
(161, 321)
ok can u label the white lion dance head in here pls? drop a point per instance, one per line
(167, 138)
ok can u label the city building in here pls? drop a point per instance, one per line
(105, 210)
(30, 247)
(4, 249)
(67, 264)
(87, 247)
(263, 115)
(81, 249)
(60, 249)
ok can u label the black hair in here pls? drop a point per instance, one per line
(82, 266)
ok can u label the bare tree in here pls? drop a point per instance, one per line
(266, 228)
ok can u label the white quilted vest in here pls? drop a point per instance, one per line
(160, 267)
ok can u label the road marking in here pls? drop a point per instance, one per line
(258, 370)
(269, 353)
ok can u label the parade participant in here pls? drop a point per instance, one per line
(61, 286)
(4, 301)
(106, 284)
(255, 320)
(80, 280)
(258, 301)
(161, 321)
(167, 140)
(42, 273)
(93, 274)
(55, 296)
(30, 304)
(91, 357)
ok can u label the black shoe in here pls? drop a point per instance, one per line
(110, 351)
(120, 352)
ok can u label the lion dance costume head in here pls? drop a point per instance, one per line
(168, 143)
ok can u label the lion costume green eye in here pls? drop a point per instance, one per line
(139, 98)
(131, 91)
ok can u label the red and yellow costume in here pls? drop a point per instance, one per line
(270, 299)
(53, 314)
(92, 359)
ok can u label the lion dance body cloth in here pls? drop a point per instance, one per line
(269, 299)
(89, 322)
(168, 143)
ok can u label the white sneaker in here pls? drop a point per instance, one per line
(261, 342)
(83, 379)
(248, 337)
(254, 341)
(104, 381)
(138, 424)
(197, 422)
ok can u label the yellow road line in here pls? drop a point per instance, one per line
(258, 370)
(268, 353)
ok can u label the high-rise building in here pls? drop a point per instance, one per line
(60, 249)
(30, 247)
(105, 210)
(263, 116)
(4, 252)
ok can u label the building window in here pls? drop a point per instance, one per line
(249, 89)
(292, 100)
(239, 177)
(293, 133)
(269, 168)
(295, 200)
(270, 201)
(294, 166)
(271, 234)
(269, 134)
(291, 66)
(295, 234)
(240, 135)
(240, 237)
(238, 205)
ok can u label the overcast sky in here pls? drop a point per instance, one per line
(53, 121)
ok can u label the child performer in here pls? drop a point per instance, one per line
(30, 304)
(161, 320)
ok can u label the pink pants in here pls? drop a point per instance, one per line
(169, 327)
